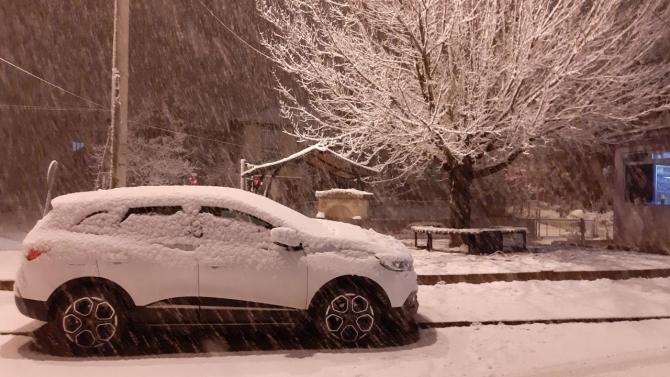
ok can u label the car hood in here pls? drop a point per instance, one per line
(347, 237)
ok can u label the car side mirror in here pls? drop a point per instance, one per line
(286, 237)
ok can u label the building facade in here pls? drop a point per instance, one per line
(642, 191)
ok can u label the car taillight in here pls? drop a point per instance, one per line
(33, 254)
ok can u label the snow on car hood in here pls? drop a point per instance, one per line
(347, 237)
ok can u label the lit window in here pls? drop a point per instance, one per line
(647, 178)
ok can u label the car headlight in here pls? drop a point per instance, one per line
(397, 265)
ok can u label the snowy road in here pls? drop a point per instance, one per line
(602, 350)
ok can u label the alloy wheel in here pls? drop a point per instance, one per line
(350, 317)
(90, 322)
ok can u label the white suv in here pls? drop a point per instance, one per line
(102, 261)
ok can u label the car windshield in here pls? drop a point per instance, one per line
(383, 188)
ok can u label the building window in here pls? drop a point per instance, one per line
(647, 178)
(662, 185)
(640, 184)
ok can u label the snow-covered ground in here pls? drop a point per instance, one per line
(543, 300)
(7, 244)
(574, 259)
(9, 264)
(11, 320)
(635, 349)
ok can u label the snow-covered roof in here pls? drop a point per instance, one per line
(84, 203)
(343, 193)
(321, 158)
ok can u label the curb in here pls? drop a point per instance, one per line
(544, 275)
(439, 325)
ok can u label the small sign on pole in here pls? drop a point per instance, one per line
(51, 178)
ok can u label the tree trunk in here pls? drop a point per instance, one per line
(460, 179)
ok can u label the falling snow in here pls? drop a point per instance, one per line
(551, 116)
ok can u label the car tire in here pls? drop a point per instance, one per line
(348, 313)
(92, 320)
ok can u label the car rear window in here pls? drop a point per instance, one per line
(91, 215)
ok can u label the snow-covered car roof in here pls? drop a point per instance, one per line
(84, 203)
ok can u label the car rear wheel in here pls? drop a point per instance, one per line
(349, 314)
(91, 320)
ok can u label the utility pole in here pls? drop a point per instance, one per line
(243, 181)
(119, 108)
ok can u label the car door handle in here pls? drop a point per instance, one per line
(214, 267)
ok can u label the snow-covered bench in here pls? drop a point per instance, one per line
(478, 240)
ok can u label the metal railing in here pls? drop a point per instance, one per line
(553, 227)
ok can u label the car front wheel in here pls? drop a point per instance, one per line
(348, 314)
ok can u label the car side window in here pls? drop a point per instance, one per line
(152, 211)
(99, 222)
(230, 227)
(235, 215)
(164, 223)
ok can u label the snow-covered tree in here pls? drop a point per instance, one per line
(466, 86)
(154, 156)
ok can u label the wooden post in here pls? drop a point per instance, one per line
(266, 191)
(243, 181)
(119, 108)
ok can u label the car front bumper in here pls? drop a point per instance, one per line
(409, 308)
(32, 308)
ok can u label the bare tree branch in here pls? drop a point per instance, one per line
(484, 171)
(412, 83)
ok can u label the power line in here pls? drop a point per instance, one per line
(232, 32)
(49, 108)
(52, 84)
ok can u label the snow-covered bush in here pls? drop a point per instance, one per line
(155, 160)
